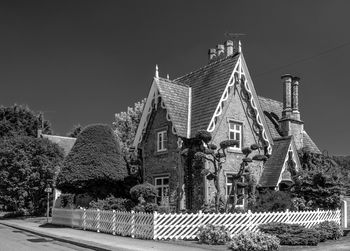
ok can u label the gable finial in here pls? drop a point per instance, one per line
(157, 73)
(239, 46)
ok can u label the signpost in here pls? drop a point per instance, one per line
(48, 190)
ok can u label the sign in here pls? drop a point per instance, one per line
(48, 190)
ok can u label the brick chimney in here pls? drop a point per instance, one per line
(287, 95)
(295, 98)
(290, 122)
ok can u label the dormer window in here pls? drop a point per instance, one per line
(161, 141)
(235, 133)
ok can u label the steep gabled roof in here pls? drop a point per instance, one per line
(309, 144)
(271, 107)
(208, 84)
(273, 166)
(176, 99)
(66, 143)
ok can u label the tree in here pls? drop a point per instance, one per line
(202, 150)
(320, 182)
(27, 165)
(126, 123)
(19, 120)
(94, 164)
(76, 130)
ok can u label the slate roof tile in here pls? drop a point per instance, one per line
(208, 84)
(175, 96)
(273, 166)
(272, 106)
(66, 143)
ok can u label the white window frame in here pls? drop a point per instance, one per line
(163, 187)
(161, 141)
(235, 131)
(228, 186)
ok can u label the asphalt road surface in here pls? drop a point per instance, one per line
(12, 239)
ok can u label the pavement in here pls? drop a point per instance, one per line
(93, 240)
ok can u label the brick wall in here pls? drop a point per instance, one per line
(165, 163)
(236, 110)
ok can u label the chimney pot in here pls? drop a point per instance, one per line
(212, 54)
(220, 49)
(229, 47)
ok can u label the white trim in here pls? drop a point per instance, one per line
(239, 68)
(294, 157)
(254, 104)
(161, 147)
(145, 113)
(189, 113)
(240, 131)
(226, 191)
(164, 188)
(152, 95)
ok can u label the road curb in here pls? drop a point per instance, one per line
(77, 242)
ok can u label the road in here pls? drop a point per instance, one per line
(12, 239)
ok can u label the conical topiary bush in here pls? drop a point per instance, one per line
(94, 165)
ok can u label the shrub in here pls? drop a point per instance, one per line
(213, 235)
(112, 203)
(83, 200)
(146, 207)
(19, 213)
(255, 241)
(329, 230)
(272, 201)
(94, 165)
(66, 200)
(291, 234)
(203, 135)
(146, 190)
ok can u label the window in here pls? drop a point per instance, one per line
(161, 141)
(162, 186)
(240, 191)
(235, 133)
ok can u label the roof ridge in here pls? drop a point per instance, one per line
(173, 82)
(208, 65)
(273, 100)
(57, 136)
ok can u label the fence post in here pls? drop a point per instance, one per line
(318, 215)
(288, 216)
(250, 220)
(200, 218)
(132, 223)
(155, 220)
(98, 220)
(344, 214)
(84, 219)
(113, 222)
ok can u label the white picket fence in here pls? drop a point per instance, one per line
(180, 226)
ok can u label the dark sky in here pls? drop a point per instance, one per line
(84, 61)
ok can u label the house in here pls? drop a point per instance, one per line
(66, 143)
(220, 98)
